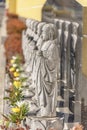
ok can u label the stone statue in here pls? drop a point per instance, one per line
(26, 47)
(37, 39)
(75, 52)
(64, 54)
(29, 31)
(29, 45)
(29, 55)
(25, 37)
(35, 31)
(26, 40)
(32, 61)
(28, 22)
(42, 63)
(46, 71)
(31, 48)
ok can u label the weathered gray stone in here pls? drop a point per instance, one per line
(45, 123)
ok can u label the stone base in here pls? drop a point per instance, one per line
(44, 123)
(77, 111)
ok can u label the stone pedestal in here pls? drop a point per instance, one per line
(66, 97)
(77, 111)
(45, 123)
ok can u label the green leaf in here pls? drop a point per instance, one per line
(7, 124)
(5, 116)
(6, 98)
(8, 91)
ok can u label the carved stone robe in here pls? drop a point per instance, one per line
(46, 78)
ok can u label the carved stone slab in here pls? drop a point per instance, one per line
(44, 123)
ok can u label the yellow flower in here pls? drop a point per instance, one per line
(16, 109)
(12, 69)
(16, 93)
(17, 84)
(12, 61)
(16, 74)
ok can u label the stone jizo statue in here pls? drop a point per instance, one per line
(46, 71)
(42, 62)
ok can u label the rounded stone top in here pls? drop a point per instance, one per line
(28, 22)
(58, 23)
(76, 28)
(35, 26)
(39, 28)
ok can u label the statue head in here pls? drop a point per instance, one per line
(35, 31)
(67, 26)
(32, 28)
(75, 28)
(60, 23)
(28, 22)
(39, 28)
(49, 32)
(32, 24)
(39, 32)
(35, 26)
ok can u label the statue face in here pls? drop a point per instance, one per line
(45, 36)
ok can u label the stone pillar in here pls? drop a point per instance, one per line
(77, 111)
(65, 63)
